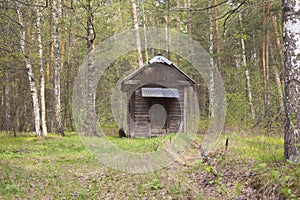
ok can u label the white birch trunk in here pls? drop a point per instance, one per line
(137, 33)
(217, 34)
(246, 71)
(212, 74)
(7, 119)
(57, 103)
(42, 74)
(145, 34)
(91, 101)
(291, 38)
(32, 83)
(168, 34)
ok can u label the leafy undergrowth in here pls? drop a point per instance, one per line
(253, 167)
(62, 168)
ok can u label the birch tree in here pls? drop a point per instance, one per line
(137, 33)
(56, 62)
(212, 70)
(217, 34)
(30, 74)
(291, 38)
(246, 70)
(42, 73)
(91, 35)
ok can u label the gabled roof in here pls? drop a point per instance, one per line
(162, 60)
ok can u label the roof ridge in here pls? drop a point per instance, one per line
(160, 59)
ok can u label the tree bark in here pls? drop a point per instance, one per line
(277, 77)
(212, 69)
(246, 70)
(91, 116)
(31, 78)
(137, 33)
(63, 31)
(265, 60)
(57, 69)
(6, 105)
(189, 16)
(145, 34)
(291, 38)
(168, 35)
(42, 74)
(217, 35)
(278, 41)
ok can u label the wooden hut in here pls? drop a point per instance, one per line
(157, 96)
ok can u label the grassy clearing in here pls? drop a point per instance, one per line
(62, 168)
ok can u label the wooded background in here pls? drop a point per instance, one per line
(43, 44)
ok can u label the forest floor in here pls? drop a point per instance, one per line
(62, 168)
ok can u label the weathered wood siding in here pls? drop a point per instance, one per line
(141, 117)
(173, 119)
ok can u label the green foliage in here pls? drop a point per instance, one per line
(285, 179)
(175, 188)
(154, 184)
(238, 109)
(260, 148)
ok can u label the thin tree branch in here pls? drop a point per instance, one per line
(199, 9)
(231, 12)
(82, 37)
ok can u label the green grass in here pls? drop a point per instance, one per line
(62, 168)
(141, 145)
(259, 148)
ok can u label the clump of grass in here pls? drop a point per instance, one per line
(154, 184)
(259, 148)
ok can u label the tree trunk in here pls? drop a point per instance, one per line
(57, 91)
(217, 34)
(145, 33)
(91, 116)
(278, 41)
(137, 33)
(189, 16)
(63, 31)
(291, 38)
(32, 83)
(7, 119)
(42, 74)
(265, 61)
(277, 77)
(212, 71)
(168, 35)
(246, 70)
